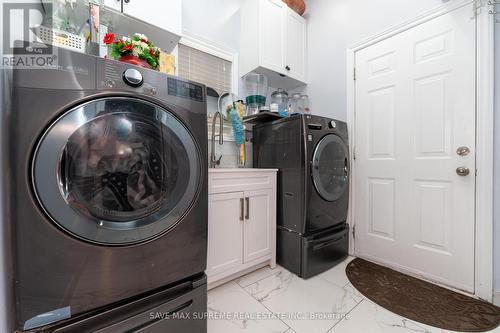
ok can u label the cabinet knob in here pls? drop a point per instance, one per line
(287, 68)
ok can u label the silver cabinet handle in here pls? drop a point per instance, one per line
(463, 171)
(463, 151)
(242, 209)
(247, 216)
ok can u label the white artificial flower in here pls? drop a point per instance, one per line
(136, 51)
(144, 45)
(125, 39)
(141, 36)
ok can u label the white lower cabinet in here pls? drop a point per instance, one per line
(241, 224)
(225, 232)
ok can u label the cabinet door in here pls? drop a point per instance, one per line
(114, 4)
(272, 34)
(260, 224)
(166, 15)
(225, 232)
(295, 45)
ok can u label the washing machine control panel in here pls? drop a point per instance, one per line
(118, 76)
(133, 77)
(185, 89)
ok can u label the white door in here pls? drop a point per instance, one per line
(225, 232)
(258, 227)
(163, 14)
(295, 56)
(272, 32)
(415, 106)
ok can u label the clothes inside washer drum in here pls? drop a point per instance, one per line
(119, 168)
(421, 301)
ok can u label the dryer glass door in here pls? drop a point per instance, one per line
(117, 170)
(330, 167)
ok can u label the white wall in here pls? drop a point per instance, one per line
(335, 25)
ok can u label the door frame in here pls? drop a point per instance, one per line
(483, 258)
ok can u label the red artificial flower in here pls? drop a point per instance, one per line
(144, 40)
(109, 38)
(127, 47)
(152, 51)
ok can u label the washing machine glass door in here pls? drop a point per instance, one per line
(330, 167)
(116, 170)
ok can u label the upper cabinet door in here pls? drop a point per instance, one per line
(114, 4)
(166, 15)
(295, 55)
(272, 34)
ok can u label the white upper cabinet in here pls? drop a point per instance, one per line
(295, 60)
(113, 4)
(166, 15)
(146, 16)
(273, 42)
(272, 34)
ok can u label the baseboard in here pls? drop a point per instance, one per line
(496, 298)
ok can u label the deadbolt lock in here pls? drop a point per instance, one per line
(463, 151)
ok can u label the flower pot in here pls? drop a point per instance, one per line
(298, 6)
(133, 60)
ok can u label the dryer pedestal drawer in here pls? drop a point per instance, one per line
(323, 251)
(314, 254)
(177, 309)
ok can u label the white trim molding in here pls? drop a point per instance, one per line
(217, 50)
(484, 151)
(496, 298)
(484, 132)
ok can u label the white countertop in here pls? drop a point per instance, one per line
(222, 170)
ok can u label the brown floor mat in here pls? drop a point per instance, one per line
(421, 301)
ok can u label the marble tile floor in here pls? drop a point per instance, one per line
(274, 300)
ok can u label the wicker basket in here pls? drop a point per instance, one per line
(60, 38)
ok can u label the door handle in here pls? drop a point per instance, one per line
(463, 171)
(247, 215)
(463, 151)
(242, 208)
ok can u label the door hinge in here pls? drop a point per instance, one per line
(354, 73)
(354, 231)
(354, 153)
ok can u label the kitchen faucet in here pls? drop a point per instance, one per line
(214, 161)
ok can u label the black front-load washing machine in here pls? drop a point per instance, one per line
(104, 198)
(312, 155)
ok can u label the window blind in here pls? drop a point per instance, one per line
(205, 68)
